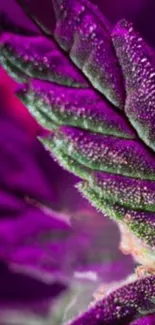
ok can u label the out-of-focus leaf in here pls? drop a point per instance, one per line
(34, 240)
(149, 320)
(105, 153)
(78, 107)
(20, 172)
(25, 289)
(85, 33)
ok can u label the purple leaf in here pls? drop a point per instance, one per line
(20, 172)
(83, 32)
(82, 152)
(123, 305)
(38, 57)
(106, 153)
(137, 60)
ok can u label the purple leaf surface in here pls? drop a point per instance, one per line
(85, 34)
